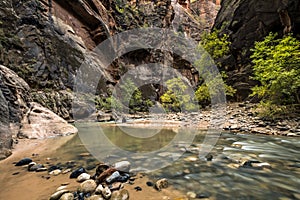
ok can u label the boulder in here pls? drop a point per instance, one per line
(40, 122)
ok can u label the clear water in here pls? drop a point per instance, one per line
(220, 178)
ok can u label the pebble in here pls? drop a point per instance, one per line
(66, 171)
(42, 169)
(15, 173)
(58, 194)
(55, 172)
(120, 195)
(162, 183)
(77, 172)
(61, 188)
(99, 189)
(95, 197)
(35, 167)
(149, 183)
(123, 166)
(191, 159)
(88, 186)
(83, 177)
(106, 193)
(192, 195)
(113, 177)
(24, 161)
(115, 186)
(67, 196)
(138, 188)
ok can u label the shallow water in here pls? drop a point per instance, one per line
(174, 154)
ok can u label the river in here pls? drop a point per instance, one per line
(242, 166)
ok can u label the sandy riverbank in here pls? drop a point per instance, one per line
(17, 183)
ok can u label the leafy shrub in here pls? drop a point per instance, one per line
(216, 47)
(277, 67)
(177, 98)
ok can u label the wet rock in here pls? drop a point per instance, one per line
(55, 172)
(162, 183)
(105, 174)
(83, 177)
(77, 172)
(261, 165)
(138, 188)
(36, 167)
(123, 178)
(123, 166)
(149, 183)
(101, 168)
(58, 194)
(203, 195)
(113, 177)
(67, 196)
(120, 195)
(88, 186)
(53, 167)
(24, 161)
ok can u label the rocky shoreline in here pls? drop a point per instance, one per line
(240, 117)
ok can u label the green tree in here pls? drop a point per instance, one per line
(277, 68)
(213, 47)
(177, 98)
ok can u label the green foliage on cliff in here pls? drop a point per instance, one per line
(277, 67)
(215, 44)
(216, 47)
(177, 97)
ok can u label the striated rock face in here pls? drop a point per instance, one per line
(14, 97)
(23, 118)
(247, 21)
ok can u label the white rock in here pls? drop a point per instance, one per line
(61, 188)
(58, 194)
(83, 177)
(67, 196)
(162, 183)
(99, 189)
(88, 186)
(106, 192)
(55, 172)
(123, 166)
